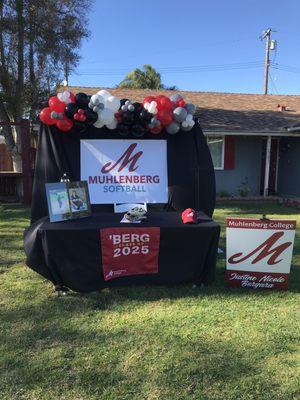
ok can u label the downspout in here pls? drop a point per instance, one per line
(267, 167)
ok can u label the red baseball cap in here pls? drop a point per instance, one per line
(189, 216)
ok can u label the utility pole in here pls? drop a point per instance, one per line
(270, 45)
(267, 36)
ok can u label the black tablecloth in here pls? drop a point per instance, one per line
(69, 253)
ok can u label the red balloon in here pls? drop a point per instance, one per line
(56, 104)
(156, 130)
(181, 103)
(65, 124)
(118, 116)
(148, 99)
(165, 117)
(72, 97)
(164, 103)
(45, 116)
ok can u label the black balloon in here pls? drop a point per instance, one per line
(138, 107)
(91, 116)
(145, 116)
(138, 130)
(128, 117)
(71, 109)
(82, 99)
(122, 102)
(123, 129)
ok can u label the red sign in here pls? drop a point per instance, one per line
(257, 280)
(129, 251)
(259, 252)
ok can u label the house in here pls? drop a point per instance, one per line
(254, 139)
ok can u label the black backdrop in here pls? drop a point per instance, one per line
(191, 176)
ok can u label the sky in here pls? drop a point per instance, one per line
(196, 45)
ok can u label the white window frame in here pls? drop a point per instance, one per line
(223, 150)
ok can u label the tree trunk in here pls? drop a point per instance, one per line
(17, 162)
(20, 82)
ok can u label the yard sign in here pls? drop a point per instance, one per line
(259, 252)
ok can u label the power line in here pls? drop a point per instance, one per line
(273, 83)
(177, 69)
(286, 68)
(189, 48)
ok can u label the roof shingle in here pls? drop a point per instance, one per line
(226, 112)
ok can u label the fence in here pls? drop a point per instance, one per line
(9, 180)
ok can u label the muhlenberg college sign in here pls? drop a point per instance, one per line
(259, 252)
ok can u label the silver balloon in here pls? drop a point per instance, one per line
(176, 97)
(186, 128)
(173, 128)
(130, 107)
(179, 114)
(190, 108)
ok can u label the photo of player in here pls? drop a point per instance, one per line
(68, 200)
(59, 202)
(78, 199)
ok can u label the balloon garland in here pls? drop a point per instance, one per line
(154, 114)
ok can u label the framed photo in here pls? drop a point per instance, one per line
(68, 200)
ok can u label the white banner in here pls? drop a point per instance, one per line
(125, 171)
(259, 252)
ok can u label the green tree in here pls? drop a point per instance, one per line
(145, 78)
(39, 40)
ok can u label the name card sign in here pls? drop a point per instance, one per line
(259, 252)
(125, 171)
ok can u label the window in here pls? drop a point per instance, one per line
(216, 147)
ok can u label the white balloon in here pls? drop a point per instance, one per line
(113, 125)
(106, 116)
(64, 96)
(98, 124)
(152, 107)
(97, 99)
(104, 93)
(189, 117)
(113, 103)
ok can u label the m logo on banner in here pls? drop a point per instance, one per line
(125, 171)
(266, 250)
(126, 158)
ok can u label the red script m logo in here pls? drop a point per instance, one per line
(264, 250)
(126, 158)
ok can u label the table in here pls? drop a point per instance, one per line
(69, 253)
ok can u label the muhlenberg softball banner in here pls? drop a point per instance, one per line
(259, 252)
(125, 171)
(129, 251)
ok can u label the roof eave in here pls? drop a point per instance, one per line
(252, 133)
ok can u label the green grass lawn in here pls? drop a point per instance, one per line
(169, 343)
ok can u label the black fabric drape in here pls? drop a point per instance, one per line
(191, 176)
(69, 253)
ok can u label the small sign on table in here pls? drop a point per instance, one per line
(259, 252)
